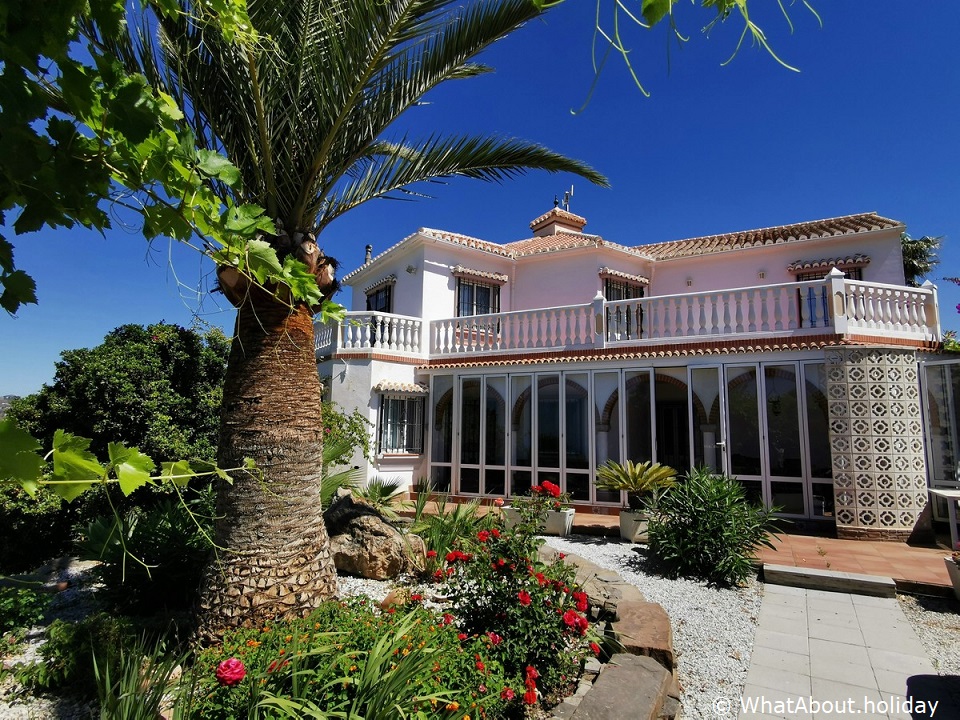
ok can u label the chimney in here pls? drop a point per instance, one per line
(369, 256)
(558, 221)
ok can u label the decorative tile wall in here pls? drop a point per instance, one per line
(876, 440)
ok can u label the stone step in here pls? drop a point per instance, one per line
(630, 686)
(832, 580)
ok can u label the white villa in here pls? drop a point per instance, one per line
(793, 358)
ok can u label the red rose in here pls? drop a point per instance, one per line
(551, 489)
(508, 694)
(531, 673)
(480, 666)
(230, 672)
(530, 697)
(595, 649)
(447, 619)
(570, 618)
(495, 533)
(494, 638)
(461, 636)
(483, 535)
(581, 598)
(524, 597)
(431, 553)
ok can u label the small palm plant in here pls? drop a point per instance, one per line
(643, 482)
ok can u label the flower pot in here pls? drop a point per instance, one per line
(633, 526)
(954, 572)
(558, 522)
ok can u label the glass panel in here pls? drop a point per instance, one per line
(578, 485)
(639, 436)
(577, 406)
(549, 476)
(442, 425)
(470, 421)
(818, 422)
(673, 423)
(607, 437)
(440, 479)
(521, 421)
(465, 301)
(783, 421)
(744, 425)
(753, 489)
(494, 482)
(788, 496)
(822, 499)
(705, 398)
(520, 482)
(470, 480)
(483, 300)
(548, 421)
(496, 451)
(942, 396)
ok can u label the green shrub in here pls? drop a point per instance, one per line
(442, 530)
(705, 528)
(152, 558)
(347, 660)
(21, 608)
(67, 655)
(33, 529)
(533, 612)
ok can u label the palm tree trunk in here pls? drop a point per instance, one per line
(274, 554)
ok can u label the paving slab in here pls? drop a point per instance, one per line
(822, 648)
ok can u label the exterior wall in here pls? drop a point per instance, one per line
(556, 279)
(408, 297)
(351, 386)
(740, 268)
(440, 286)
(876, 440)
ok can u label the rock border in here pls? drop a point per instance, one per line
(638, 682)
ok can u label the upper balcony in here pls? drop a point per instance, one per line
(833, 305)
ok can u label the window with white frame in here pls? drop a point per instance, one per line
(401, 424)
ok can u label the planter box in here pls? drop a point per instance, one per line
(559, 522)
(633, 526)
(954, 572)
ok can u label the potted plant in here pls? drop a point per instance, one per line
(953, 570)
(546, 509)
(643, 484)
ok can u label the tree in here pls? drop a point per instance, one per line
(919, 257)
(301, 116)
(158, 388)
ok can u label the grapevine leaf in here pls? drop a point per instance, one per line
(132, 467)
(246, 219)
(201, 466)
(179, 472)
(19, 459)
(262, 260)
(216, 165)
(655, 10)
(75, 468)
(302, 282)
(18, 289)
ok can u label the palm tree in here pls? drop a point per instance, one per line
(302, 115)
(919, 257)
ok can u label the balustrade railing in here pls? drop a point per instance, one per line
(367, 331)
(832, 305)
(544, 328)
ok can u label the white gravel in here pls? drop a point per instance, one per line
(937, 623)
(713, 628)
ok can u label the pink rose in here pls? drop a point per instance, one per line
(230, 672)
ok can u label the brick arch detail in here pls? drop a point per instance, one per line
(524, 397)
(657, 377)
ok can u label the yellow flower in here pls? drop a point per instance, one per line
(253, 643)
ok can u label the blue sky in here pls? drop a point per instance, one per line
(871, 123)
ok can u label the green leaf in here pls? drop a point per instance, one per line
(246, 220)
(179, 472)
(302, 282)
(19, 459)
(75, 468)
(262, 261)
(201, 466)
(216, 165)
(655, 10)
(132, 467)
(18, 289)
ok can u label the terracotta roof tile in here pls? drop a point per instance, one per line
(848, 224)
(388, 386)
(826, 263)
(558, 213)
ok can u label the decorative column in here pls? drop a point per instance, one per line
(876, 443)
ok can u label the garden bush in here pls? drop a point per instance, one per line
(152, 559)
(704, 527)
(348, 658)
(21, 608)
(47, 520)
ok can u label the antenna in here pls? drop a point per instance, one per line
(566, 199)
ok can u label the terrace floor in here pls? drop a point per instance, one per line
(916, 568)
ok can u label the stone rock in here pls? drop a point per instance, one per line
(363, 543)
(644, 629)
(629, 687)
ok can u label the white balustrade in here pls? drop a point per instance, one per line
(891, 310)
(816, 307)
